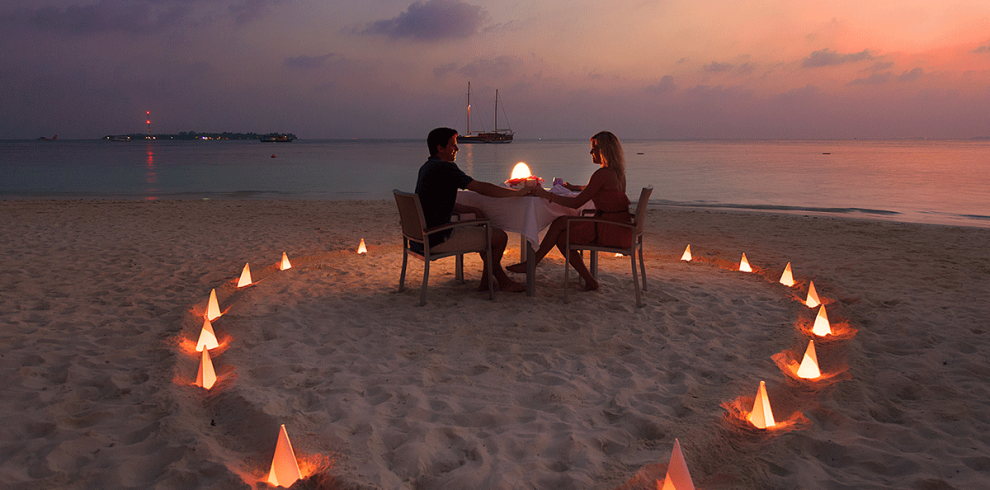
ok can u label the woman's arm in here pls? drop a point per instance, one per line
(598, 180)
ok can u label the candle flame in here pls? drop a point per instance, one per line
(822, 327)
(678, 477)
(520, 171)
(285, 469)
(809, 365)
(285, 262)
(812, 300)
(207, 376)
(687, 254)
(744, 265)
(207, 337)
(213, 310)
(761, 416)
(245, 276)
(362, 248)
(787, 278)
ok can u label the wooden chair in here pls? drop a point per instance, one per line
(637, 245)
(414, 230)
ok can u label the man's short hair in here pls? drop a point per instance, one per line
(439, 137)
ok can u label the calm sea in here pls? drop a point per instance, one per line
(922, 181)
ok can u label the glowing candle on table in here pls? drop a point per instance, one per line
(520, 171)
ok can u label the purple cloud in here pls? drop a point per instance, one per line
(103, 16)
(246, 11)
(982, 49)
(303, 61)
(827, 57)
(434, 20)
(666, 85)
(910, 76)
(874, 79)
(716, 67)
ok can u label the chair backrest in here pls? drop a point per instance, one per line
(410, 214)
(644, 199)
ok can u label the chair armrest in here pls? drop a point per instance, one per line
(455, 224)
(587, 212)
(581, 219)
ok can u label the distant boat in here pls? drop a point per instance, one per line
(496, 136)
(120, 138)
(53, 138)
(277, 138)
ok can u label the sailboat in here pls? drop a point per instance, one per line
(496, 136)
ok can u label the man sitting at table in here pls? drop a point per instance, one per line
(439, 179)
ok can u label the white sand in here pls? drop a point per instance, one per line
(100, 301)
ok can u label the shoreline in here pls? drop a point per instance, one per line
(465, 392)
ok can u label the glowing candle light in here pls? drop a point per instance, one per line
(787, 278)
(213, 310)
(687, 254)
(245, 276)
(206, 376)
(285, 470)
(520, 171)
(207, 337)
(809, 365)
(744, 265)
(678, 477)
(761, 416)
(812, 300)
(285, 262)
(362, 249)
(822, 327)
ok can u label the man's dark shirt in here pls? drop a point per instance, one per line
(437, 188)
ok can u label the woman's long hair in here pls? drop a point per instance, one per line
(612, 155)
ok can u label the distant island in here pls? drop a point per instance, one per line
(193, 135)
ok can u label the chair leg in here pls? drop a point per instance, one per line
(402, 275)
(459, 268)
(567, 253)
(639, 296)
(426, 280)
(594, 263)
(642, 266)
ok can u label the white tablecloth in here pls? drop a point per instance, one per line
(526, 216)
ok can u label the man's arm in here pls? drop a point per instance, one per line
(492, 190)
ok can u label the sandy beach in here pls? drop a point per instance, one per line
(101, 304)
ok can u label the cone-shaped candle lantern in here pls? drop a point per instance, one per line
(787, 278)
(285, 263)
(207, 337)
(285, 470)
(213, 309)
(362, 249)
(245, 276)
(678, 477)
(206, 376)
(761, 416)
(822, 327)
(744, 265)
(809, 365)
(687, 254)
(812, 300)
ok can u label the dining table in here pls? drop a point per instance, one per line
(526, 216)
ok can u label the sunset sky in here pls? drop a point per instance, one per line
(396, 69)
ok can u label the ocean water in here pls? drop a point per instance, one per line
(946, 182)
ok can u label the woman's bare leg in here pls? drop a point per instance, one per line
(554, 232)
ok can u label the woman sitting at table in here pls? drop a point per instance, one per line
(607, 189)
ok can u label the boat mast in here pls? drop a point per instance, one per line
(496, 110)
(469, 111)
